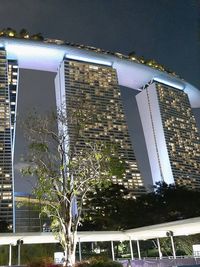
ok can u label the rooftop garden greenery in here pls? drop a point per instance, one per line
(24, 34)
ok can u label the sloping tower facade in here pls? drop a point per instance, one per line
(8, 93)
(171, 135)
(97, 86)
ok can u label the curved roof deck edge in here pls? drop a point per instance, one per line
(47, 57)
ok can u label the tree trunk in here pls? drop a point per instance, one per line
(70, 252)
(69, 244)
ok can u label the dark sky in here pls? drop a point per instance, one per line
(165, 30)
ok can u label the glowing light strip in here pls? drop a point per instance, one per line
(169, 83)
(89, 60)
(31, 50)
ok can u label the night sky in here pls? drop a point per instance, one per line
(165, 30)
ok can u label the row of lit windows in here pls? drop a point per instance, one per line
(99, 85)
(180, 132)
(5, 139)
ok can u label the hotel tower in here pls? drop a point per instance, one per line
(8, 93)
(96, 76)
(171, 135)
(97, 86)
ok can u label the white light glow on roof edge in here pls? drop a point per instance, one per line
(90, 60)
(47, 57)
(169, 83)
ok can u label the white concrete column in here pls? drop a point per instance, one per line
(79, 249)
(10, 255)
(173, 247)
(131, 248)
(113, 252)
(138, 248)
(159, 248)
(19, 254)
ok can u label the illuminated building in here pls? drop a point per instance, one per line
(164, 107)
(13, 90)
(171, 135)
(27, 213)
(98, 86)
(8, 91)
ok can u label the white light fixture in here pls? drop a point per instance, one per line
(171, 83)
(89, 60)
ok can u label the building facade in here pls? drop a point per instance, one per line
(8, 92)
(95, 87)
(171, 135)
(94, 77)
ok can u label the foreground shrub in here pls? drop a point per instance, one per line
(82, 264)
(106, 264)
(98, 262)
(54, 265)
(41, 262)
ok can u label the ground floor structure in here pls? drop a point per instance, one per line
(155, 232)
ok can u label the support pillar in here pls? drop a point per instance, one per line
(79, 249)
(138, 248)
(10, 255)
(131, 248)
(113, 252)
(173, 247)
(171, 234)
(19, 243)
(19, 254)
(159, 248)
